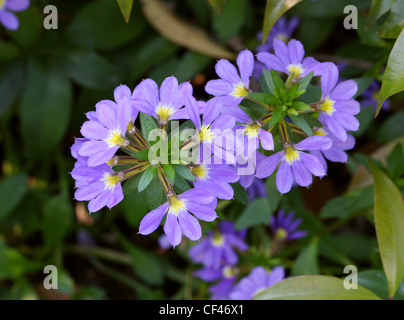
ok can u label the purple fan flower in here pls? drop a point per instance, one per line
(256, 190)
(253, 130)
(100, 185)
(9, 19)
(222, 289)
(165, 103)
(370, 97)
(336, 153)
(257, 281)
(284, 227)
(179, 219)
(164, 243)
(289, 59)
(232, 86)
(283, 30)
(337, 105)
(215, 130)
(107, 128)
(247, 167)
(217, 248)
(295, 165)
(215, 179)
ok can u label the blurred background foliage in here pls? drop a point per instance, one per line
(50, 78)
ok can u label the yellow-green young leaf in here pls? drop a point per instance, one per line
(314, 288)
(378, 8)
(217, 5)
(182, 33)
(389, 221)
(273, 11)
(393, 79)
(126, 8)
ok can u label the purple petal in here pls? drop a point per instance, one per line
(245, 63)
(172, 229)
(17, 5)
(301, 174)
(267, 166)
(314, 143)
(284, 178)
(152, 220)
(101, 157)
(98, 202)
(219, 87)
(202, 212)
(189, 225)
(106, 114)
(9, 20)
(197, 195)
(149, 91)
(329, 78)
(193, 111)
(349, 106)
(227, 71)
(313, 164)
(344, 90)
(282, 52)
(94, 130)
(271, 61)
(296, 52)
(168, 91)
(267, 141)
(121, 92)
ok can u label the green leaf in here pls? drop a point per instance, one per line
(302, 124)
(349, 203)
(392, 127)
(258, 212)
(304, 83)
(234, 11)
(393, 79)
(126, 8)
(277, 115)
(389, 222)
(57, 218)
(184, 172)
(261, 97)
(273, 194)
(8, 51)
(274, 9)
(278, 83)
(131, 184)
(363, 84)
(314, 288)
(217, 5)
(394, 24)
(99, 25)
(306, 262)
(155, 195)
(240, 194)
(135, 208)
(11, 82)
(375, 280)
(378, 8)
(300, 105)
(148, 124)
(169, 171)
(146, 178)
(12, 191)
(90, 69)
(45, 109)
(13, 265)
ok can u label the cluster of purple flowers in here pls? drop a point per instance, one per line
(226, 145)
(216, 252)
(7, 18)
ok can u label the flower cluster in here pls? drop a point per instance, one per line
(7, 18)
(196, 150)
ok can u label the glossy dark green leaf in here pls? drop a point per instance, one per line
(99, 25)
(274, 9)
(258, 212)
(45, 109)
(184, 172)
(12, 191)
(314, 288)
(240, 194)
(378, 9)
(126, 8)
(148, 124)
(11, 82)
(155, 195)
(57, 218)
(147, 177)
(131, 184)
(302, 124)
(306, 262)
(393, 79)
(234, 11)
(389, 222)
(394, 24)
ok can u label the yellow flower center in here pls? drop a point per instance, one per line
(291, 155)
(111, 180)
(283, 36)
(319, 132)
(218, 240)
(252, 130)
(205, 134)
(176, 204)
(2, 3)
(281, 234)
(115, 139)
(229, 272)
(200, 172)
(296, 69)
(164, 112)
(240, 91)
(327, 106)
